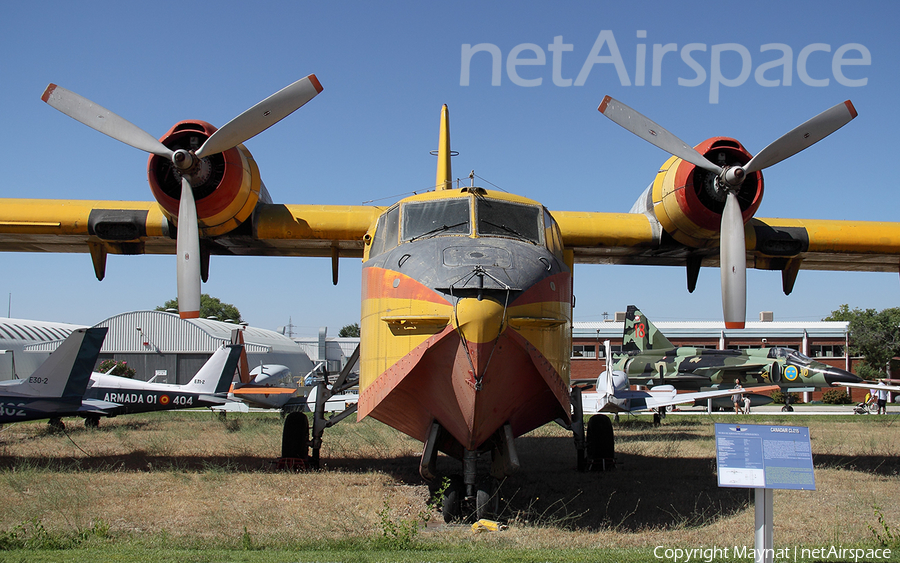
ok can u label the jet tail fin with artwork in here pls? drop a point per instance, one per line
(68, 369)
(640, 334)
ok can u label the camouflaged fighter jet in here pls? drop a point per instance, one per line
(648, 358)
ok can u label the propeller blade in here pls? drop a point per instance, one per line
(802, 136)
(653, 133)
(261, 116)
(99, 118)
(733, 264)
(188, 250)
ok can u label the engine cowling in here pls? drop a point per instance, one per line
(227, 191)
(686, 200)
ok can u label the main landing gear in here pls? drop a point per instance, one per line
(787, 402)
(596, 448)
(295, 435)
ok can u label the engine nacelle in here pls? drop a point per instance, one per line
(686, 200)
(226, 194)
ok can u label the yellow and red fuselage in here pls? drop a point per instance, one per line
(466, 317)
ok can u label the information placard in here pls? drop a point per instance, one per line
(764, 457)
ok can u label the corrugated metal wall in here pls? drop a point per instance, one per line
(161, 344)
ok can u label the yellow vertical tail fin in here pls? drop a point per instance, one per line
(443, 181)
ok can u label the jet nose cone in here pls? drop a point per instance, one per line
(837, 375)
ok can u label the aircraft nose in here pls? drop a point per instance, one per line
(836, 375)
(480, 321)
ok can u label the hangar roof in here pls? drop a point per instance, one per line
(160, 331)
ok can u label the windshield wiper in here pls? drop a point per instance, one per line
(507, 229)
(437, 230)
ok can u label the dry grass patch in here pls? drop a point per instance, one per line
(193, 477)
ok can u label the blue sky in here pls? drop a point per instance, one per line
(386, 69)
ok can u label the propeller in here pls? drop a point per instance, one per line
(732, 247)
(188, 164)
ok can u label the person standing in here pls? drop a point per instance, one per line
(738, 398)
(882, 394)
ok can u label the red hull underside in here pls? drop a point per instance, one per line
(435, 382)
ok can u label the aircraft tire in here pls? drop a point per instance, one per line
(56, 424)
(600, 440)
(92, 421)
(451, 500)
(487, 499)
(295, 436)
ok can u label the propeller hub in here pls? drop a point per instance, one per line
(733, 176)
(183, 160)
(189, 165)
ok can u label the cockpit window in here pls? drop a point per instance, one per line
(791, 355)
(432, 218)
(799, 359)
(386, 232)
(503, 218)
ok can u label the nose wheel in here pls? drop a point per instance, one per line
(483, 503)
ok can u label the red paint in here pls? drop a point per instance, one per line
(434, 382)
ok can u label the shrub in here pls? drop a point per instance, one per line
(836, 397)
(778, 397)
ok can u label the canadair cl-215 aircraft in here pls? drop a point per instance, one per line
(467, 293)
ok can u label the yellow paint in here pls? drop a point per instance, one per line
(383, 344)
(669, 212)
(479, 321)
(554, 341)
(406, 325)
(380, 347)
(315, 222)
(856, 237)
(604, 230)
(444, 178)
(238, 210)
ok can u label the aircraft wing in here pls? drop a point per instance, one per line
(140, 227)
(872, 387)
(96, 406)
(635, 238)
(213, 399)
(655, 401)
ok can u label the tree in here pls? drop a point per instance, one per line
(350, 330)
(209, 307)
(112, 367)
(873, 334)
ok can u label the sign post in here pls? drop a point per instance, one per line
(764, 458)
